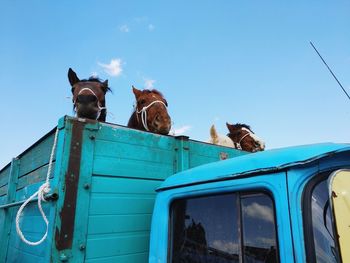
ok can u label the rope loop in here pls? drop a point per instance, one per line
(43, 190)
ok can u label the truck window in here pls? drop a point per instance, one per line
(258, 224)
(223, 228)
(318, 227)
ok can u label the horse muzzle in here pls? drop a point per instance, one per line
(162, 125)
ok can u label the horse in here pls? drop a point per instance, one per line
(89, 96)
(219, 139)
(244, 138)
(150, 112)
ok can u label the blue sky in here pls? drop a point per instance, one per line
(215, 61)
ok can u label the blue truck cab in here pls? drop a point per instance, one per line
(281, 205)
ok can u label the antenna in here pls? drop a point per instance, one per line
(330, 70)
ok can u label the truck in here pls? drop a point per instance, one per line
(123, 195)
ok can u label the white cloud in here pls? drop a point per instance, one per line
(259, 211)
(114, 68)
(124, 28)
(149, 83)
(225, 246)
(181, 130)
(151, 27)
(265, 242)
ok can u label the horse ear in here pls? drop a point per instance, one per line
(229, 126)
(136, 91)
(72, 76)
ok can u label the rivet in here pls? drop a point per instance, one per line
(92, 137)
(82, 247)
(86, 186)
(63, 257)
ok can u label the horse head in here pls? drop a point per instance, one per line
(150, 112)
(244, 138)
(89, 96)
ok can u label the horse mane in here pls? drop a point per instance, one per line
(242, 125)
(98, 80)
(154, 91)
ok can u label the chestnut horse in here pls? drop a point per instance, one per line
(150, 112)
(89, 96)
(244, 138)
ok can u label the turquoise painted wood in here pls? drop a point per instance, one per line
(105, 177)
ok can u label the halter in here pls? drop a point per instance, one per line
(250, 133)
(143, 112)
(100, 108)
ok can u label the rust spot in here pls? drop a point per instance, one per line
(334, 194)
(223, 156)
(64, 236)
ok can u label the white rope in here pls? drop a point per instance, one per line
(43, 189)
(143, 112)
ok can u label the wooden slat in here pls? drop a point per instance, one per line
(202, 153)
(131, 168)
(4, 176)
(22, 256)
(133, 152)
(105, 224)
(136, 257)
(37, 156)
(3, 191)
(123, 185)
(115, 245)
(102, 204)
(134, 137)
(35, 176)
(3, 200)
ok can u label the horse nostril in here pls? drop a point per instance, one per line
(86, 98)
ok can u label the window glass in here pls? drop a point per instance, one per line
(325, 247)
(205, 230)
(258, 225)
(208, 229)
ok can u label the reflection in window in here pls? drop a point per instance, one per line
(322, 225)
(207, 229)
(258, 226)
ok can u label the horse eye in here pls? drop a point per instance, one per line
(142, 101)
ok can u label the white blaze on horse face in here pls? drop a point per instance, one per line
(255, 138)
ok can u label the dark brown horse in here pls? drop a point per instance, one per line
(89, 96)
(244, 138)
(150, 112)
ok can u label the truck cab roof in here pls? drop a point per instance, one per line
(253, 164)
